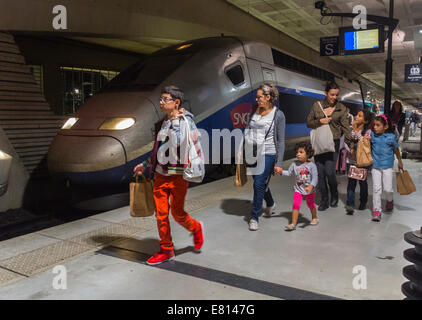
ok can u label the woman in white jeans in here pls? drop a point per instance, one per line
(383, 147)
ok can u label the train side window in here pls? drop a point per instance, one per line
(235, 75)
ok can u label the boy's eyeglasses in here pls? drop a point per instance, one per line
(165, 99)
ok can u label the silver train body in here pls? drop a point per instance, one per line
(219, 77)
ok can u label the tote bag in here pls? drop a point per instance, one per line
(322, 138)
(141, 198)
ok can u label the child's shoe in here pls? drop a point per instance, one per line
(198, 238)
(269, 211)
(389, 206)
(161, 257)
(376, 216)
(349, 210)
(290, 227)
(314, 222)
(362, 206)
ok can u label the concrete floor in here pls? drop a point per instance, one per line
(235, 263)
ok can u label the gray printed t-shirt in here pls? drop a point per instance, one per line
(306, 174)
(262, 125)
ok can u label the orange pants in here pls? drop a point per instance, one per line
(175, 188)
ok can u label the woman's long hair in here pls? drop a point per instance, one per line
(368, 117)
(393, 109)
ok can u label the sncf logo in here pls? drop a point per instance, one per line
(240, 114)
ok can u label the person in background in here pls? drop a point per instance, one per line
(350, 117)
(414, 121)
(367, 108)
(398, 117)
(377, 110)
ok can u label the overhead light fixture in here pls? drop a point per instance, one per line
(420, 30)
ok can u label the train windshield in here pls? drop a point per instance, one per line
(145, 75)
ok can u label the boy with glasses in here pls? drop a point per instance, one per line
(169, 183)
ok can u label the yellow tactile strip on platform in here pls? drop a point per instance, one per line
(38, 260)
(104, 236)
(7, 276)
(145, 223)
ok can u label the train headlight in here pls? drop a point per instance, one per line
(117, 124)
(69, 123)
(5, 165)
(185, 46)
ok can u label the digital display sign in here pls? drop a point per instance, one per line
(370, 40)
(358, 40)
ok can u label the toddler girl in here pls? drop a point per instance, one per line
(306, 180)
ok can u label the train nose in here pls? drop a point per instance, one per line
(85, 159)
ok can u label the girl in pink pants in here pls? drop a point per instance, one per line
(306, 175)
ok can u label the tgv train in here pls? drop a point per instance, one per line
(114, 130)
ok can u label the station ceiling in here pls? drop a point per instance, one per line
(300, 20)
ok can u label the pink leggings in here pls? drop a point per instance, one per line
(310, 200)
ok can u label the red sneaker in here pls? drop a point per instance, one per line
(160, 257)
(198, 238)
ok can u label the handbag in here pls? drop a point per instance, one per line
(363, 153)
(322, 140)
(241, 177)
(141, 198)
(357, 173)
(404, 182)
(195, 169)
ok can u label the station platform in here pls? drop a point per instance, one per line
(412, 145)
(104, 255)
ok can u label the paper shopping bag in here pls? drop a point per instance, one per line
(141, 198)
(405, 184)
(241, 177)
(363, 153)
